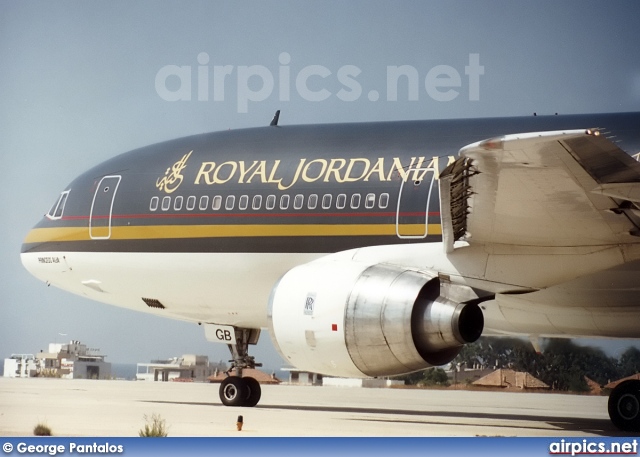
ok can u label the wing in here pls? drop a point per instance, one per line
(566, 188)
(551, 189)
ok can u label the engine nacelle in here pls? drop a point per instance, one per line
(344, 318)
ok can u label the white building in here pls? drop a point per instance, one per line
(359, 382)
(188, 367)
(71, 361)
(20, 366)
(308, 378)
(303, 377)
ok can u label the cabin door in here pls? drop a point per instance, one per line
(102, 208)
(412, 215)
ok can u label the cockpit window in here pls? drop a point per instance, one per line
(57, 210)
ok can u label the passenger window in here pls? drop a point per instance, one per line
(271, 202)
(284, 202)
(326, 201)
(313, 201)
(384, 201)
(257, 202)
(355, 201)
(217, 203)
(191, 202)
(204, 202)
(166, 203)
(230, 203)
(370, 201)
(341, 201)
(177, 203)
(298, 201)
(244, 202)
(153, 205)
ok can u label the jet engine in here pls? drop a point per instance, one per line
(344, 318)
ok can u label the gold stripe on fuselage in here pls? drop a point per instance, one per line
(148, 232)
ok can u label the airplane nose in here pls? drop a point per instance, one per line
(36, 240)
(28, 242)
(32, 259)
(41, 254)
(47, 239)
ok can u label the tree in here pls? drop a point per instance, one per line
(562, 364)
(497, 352)
(567, 364)
(435, 377)
(629, 362)
(428, 377)
(410, 379)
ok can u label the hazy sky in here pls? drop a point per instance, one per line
(83, 81)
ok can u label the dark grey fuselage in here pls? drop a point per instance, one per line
(309, 188)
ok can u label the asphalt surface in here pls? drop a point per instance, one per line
(118, 408)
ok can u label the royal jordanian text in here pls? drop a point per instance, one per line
(338, 170)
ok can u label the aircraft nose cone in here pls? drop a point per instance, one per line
(29, 255)
(40, 254)
(27, 243)
(34, 239)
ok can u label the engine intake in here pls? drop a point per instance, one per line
(344, 318)
(396, 320)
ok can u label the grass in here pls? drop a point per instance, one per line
(155, 427)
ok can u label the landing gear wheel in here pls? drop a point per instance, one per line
(234, 391)
(624, 406)
(255, 392)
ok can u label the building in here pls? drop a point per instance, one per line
(303, 378)
(594, 387)
(260, 376)
(464, 374)
(73, 360)
(188, 367)
(20, 366)
(506, 378)
(360, 382)
(614, 384)
(309, 378)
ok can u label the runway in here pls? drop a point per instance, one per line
(117, 408)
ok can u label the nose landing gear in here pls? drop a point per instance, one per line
(237, 390)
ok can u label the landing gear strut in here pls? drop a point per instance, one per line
(624, 406)
(236, 390)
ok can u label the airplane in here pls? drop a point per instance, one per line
(365, 249)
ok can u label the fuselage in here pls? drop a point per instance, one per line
(201, 228)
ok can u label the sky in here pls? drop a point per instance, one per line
(83, 81)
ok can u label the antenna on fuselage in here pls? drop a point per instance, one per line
(274, 121)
